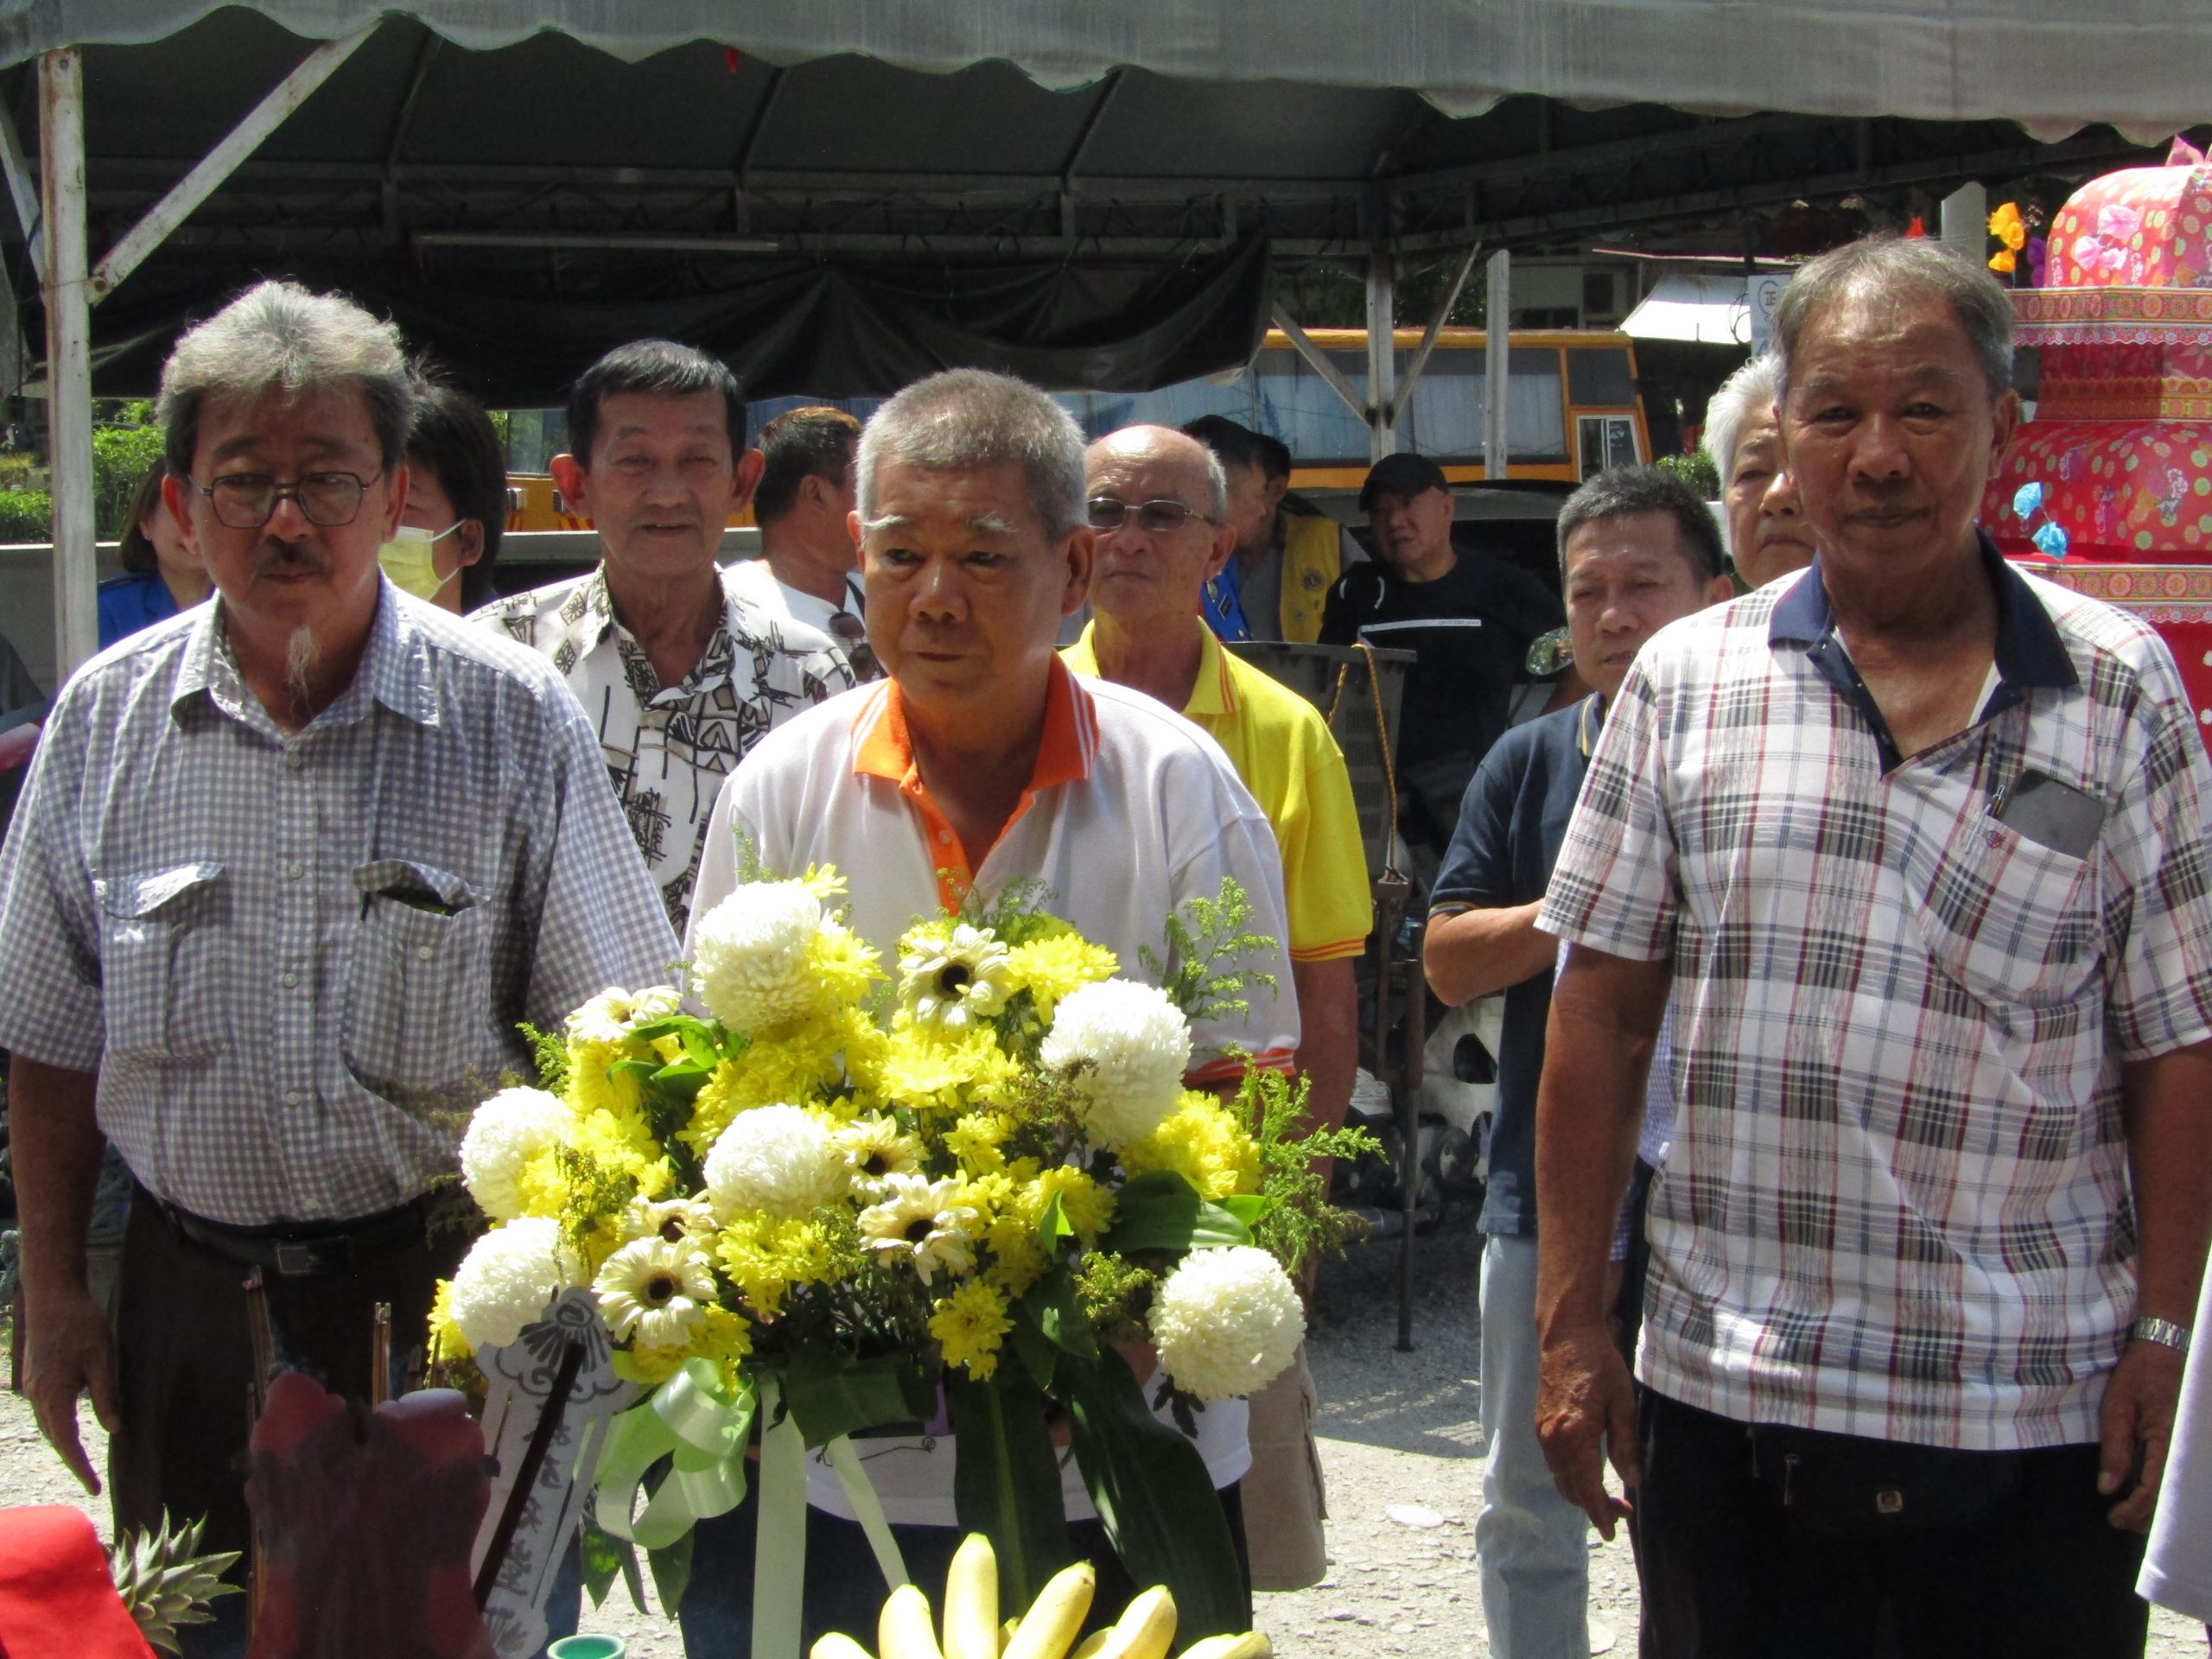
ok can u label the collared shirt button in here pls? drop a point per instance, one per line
(424, 952)
(295, 758)
(291, 1096)
(289, 981)
(295, 870)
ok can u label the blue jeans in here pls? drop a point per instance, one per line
(1533, 1545)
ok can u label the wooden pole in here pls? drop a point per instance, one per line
(68, 357)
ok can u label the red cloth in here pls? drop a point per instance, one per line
(57, 1599)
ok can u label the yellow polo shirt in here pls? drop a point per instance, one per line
(1282, 748)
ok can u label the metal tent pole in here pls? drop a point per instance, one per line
(68, 356)
(1382, 356)
(1497, 363)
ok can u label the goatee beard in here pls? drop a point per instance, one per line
(302, 653)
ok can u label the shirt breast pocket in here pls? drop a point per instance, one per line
(160, 997)
(418, 1006)
(2013, 921)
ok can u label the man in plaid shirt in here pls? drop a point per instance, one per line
(1913, 845)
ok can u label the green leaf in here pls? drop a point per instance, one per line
(1163, 1212)
(1247, 1207)
(1036, 1351)
(1006, 1480)
(671, 1567)
(604, 1556)
(684, 1079)
(1055, 1232)
(1059, 1312)
(1152, 1491)
(831, 1396)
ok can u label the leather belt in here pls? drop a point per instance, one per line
(306, 1250)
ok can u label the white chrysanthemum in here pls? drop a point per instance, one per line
(668, 1218)
(1227, 1322)
(874, 1147)
(504, 1135)
(507, 1278)
(776, 1159)
(749, 954)
(956, 979)
(609, 1017)
(1128, 1047)
(919, 1220)
(656, 1291)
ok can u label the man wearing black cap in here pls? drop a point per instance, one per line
(1470, 619)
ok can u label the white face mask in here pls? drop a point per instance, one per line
(410, 559)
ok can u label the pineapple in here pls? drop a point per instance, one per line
(165, 1581)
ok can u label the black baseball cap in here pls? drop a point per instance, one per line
(1403, 474)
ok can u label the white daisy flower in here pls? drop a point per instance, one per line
(749, 954)
(874, 1147)
(1227, 1322)
(955, 980)
(668, 1218)
(656, 1291)
(919, 1220)
(1126, 1047)
(504, 1135)
(508, 1277)
(777, 1158)
(610, 1016)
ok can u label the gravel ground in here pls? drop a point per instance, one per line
(1396, 1430)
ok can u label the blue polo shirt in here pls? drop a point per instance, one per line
(1512, 821)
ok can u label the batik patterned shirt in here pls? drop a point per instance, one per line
(668, 748)
(1897, 1204)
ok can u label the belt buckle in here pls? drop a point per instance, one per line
(304, 1258)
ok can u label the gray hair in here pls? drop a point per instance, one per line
(1627, 490)
(1168, 437)
(963, 419)
(1744, 398)
(283, 338)
(1893, 265)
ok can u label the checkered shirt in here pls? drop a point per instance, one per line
(668, 748)
(1897, 1204)
(295, 960)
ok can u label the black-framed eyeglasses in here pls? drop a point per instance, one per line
(1153, 517)
(248, 500)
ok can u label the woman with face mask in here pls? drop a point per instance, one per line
(456, 503)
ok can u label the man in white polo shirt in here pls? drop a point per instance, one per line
(983, 761)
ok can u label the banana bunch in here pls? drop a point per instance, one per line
(1145, 1630)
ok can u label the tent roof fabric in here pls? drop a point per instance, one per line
(1698, 310)
(2053, 65)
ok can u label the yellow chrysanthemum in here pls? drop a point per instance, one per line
(970, 1324)
(594, 1086)
(932, 1071)
(1203, 1141)
(1050, 967)
(447, 1342)
(845, 967)
(793, 1070)
(1019, 1258)
(1088, 1206)
(986, 1195)
(976, 1140)
(765, 1257)
(725, 1339)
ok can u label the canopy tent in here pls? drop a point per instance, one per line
(838, 194)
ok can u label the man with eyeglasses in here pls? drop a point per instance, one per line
(289, 870)
(1157, 501)
(680, 671)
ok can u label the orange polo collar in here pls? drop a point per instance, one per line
(884, 748)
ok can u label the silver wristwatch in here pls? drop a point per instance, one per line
(2164, 1333)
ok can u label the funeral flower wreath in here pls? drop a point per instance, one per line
(847, 1200)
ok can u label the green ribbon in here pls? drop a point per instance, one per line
(860, 1494)
(702, 1425)
(780, 1549)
